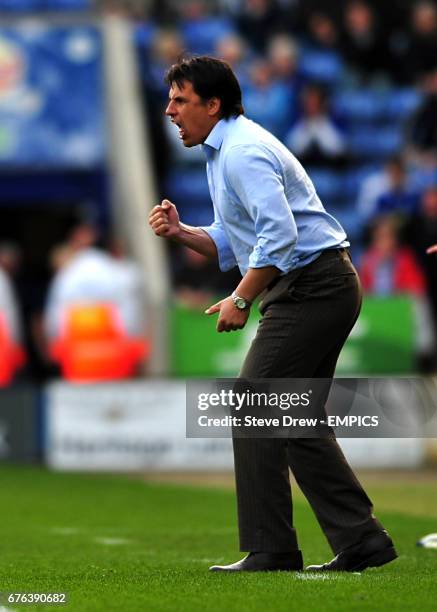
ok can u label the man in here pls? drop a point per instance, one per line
(270, 222)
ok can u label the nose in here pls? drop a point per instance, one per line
(169, 111)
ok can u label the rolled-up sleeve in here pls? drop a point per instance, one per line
(226, 257)
(254, 178)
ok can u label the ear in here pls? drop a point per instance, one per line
(214, 106)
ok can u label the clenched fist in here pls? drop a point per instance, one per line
(164, 219)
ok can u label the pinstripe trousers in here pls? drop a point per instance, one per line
(307, 316)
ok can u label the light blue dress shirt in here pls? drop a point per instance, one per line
(266, 210)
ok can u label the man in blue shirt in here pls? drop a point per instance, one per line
(269, 221)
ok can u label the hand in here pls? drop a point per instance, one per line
(164, 219)
(432, 249)
(230, 317)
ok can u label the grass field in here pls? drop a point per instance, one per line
(117, 543)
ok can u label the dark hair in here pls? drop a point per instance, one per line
(210, 78)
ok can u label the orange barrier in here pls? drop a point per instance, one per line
(12, 355)
(93, 346)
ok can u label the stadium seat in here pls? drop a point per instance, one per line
(368, 142)
(373, 106)
(12, 356)
(350, 221)
(423, 177)
(93, 346)
(358, 106)
(401, 104)
(320, 66)
(201, 35)
(328, 183)
(353, 179)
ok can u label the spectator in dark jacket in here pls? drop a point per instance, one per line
(315, 138)
(423, 133)
(363, 44)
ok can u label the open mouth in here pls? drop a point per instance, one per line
(181, 130)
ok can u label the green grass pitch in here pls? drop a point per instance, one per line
(117, 543)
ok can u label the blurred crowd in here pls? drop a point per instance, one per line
(349, 87)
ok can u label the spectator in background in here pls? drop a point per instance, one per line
(90, 275)
(9, 309)
(387, 190)
(387, 268)
(423, 131)
(422, 232)
(267, 100)
(321, 57)
(399, 197)
(10, 260)
(282, 54)
(315, 139)
(200, 29)
(413, 44)
(258, 20)
(322, 34)
(167, 46)
(232, 48)
(363, 44)
(422, 48)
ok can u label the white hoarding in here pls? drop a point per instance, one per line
(130, 426)
(141, 426)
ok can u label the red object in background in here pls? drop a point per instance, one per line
(407, 275)
(12, 355)
(93, 347)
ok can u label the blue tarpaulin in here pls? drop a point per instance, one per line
(51, 96)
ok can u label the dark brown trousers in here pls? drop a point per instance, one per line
(307, 317)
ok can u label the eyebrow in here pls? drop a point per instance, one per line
(177, 98)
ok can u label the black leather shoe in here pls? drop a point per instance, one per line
(264, 562)
(372, 551)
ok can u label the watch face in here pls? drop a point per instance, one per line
(240, 303)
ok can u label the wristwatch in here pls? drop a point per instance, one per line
(240, 302)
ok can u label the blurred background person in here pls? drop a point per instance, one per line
(363, 42)
(266, 99)
(233, 49)
(417, 53)
(258, 20)
(423, 128)
(391, 268)
(201, 28)
(315, 138)
(389, 191)
(89, 275)
(422, 232)
(322, 33)
(10, 316)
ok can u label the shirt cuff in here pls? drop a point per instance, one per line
(226, 257)
(260, 259)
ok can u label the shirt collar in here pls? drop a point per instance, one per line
(216, 135)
